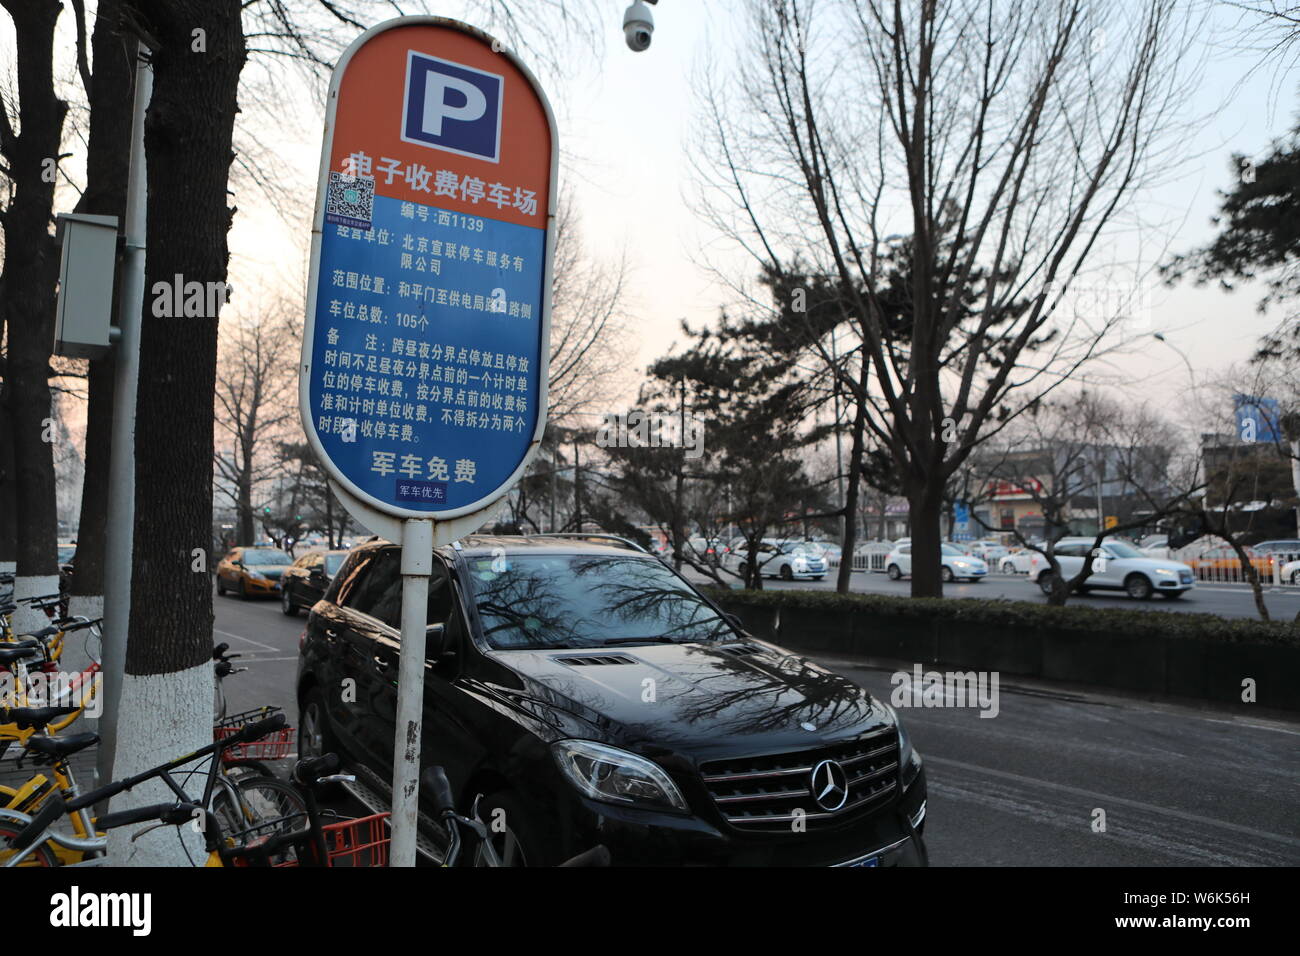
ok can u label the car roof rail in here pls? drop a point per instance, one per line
(594, 537)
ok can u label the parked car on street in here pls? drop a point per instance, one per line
(252, 572)
(787, 560)
(1119, 567)
(539, 656)
(991, 552)
(954, 563)
(1222, 564)
(304, 582)
(1016, 562)
(1291, 572)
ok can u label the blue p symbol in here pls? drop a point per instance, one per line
(452, 107)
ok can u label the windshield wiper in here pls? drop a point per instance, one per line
(641, 640)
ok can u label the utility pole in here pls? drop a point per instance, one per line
(119, 530)
(577, 486)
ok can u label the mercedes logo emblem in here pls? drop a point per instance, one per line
(809, 726)
(830, 785)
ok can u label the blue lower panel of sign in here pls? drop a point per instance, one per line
(426, 353)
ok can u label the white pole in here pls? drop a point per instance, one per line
(417, 564)
(120, 521)
(1295, 478)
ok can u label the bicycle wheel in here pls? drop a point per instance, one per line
(246, 802)
(42, 856)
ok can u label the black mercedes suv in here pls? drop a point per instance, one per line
(584, 693)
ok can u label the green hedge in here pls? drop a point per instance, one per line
(1007, 613)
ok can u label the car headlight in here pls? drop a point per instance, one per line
(1165, 571)
(611, 775)
(257, 575)
(905, 752)
(961, 564)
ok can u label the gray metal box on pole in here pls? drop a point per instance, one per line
(86, 268)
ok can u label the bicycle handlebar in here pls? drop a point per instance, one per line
(255, 730)
(435, 780)
(308, 770)
(172, 814)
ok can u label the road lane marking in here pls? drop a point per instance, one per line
(1102, 799)
(246, 640)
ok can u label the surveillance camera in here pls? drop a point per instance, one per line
(638, 26)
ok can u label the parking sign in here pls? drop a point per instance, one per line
(424, 362)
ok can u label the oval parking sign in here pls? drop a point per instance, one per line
(425, 348)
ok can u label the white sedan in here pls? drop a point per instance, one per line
(1017, 562)
(956, 563)
(1118, 567)
(1291, 572)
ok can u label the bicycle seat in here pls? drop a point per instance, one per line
(26, 717)
(59, 747)
(41, 634)
(9, 655)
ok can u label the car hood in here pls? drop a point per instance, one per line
(701, 700)
(272, 571)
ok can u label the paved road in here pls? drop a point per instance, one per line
(1178, 786)
(1227, 600)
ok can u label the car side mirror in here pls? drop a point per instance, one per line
(437, 644)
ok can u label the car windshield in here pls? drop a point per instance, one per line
(1122, 550)
(333, 562)
(586, 600)
(266, 556)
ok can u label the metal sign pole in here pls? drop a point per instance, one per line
(417, 565)
(120, 525)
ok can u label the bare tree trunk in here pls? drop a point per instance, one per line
(166, 703)
(27, 299)
(925, 503)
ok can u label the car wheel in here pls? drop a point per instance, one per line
(946, 573)
(314, 738)
(895, 573)
(511, 832)
(743, 569)
(286, 603)
(1046, 581)
(786, 573)
(1295, 577)
(1138, 586)
(221, 588)
(1006, 567)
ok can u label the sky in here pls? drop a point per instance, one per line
(626, 121)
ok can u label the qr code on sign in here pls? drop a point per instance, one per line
(350, 200)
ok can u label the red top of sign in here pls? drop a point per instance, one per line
(375, 96)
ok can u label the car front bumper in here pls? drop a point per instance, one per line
(892, 835)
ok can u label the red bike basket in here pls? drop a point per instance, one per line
(360, 842)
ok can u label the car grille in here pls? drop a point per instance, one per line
(768, 793)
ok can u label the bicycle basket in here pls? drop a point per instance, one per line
(360, 842)
(271, 747)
